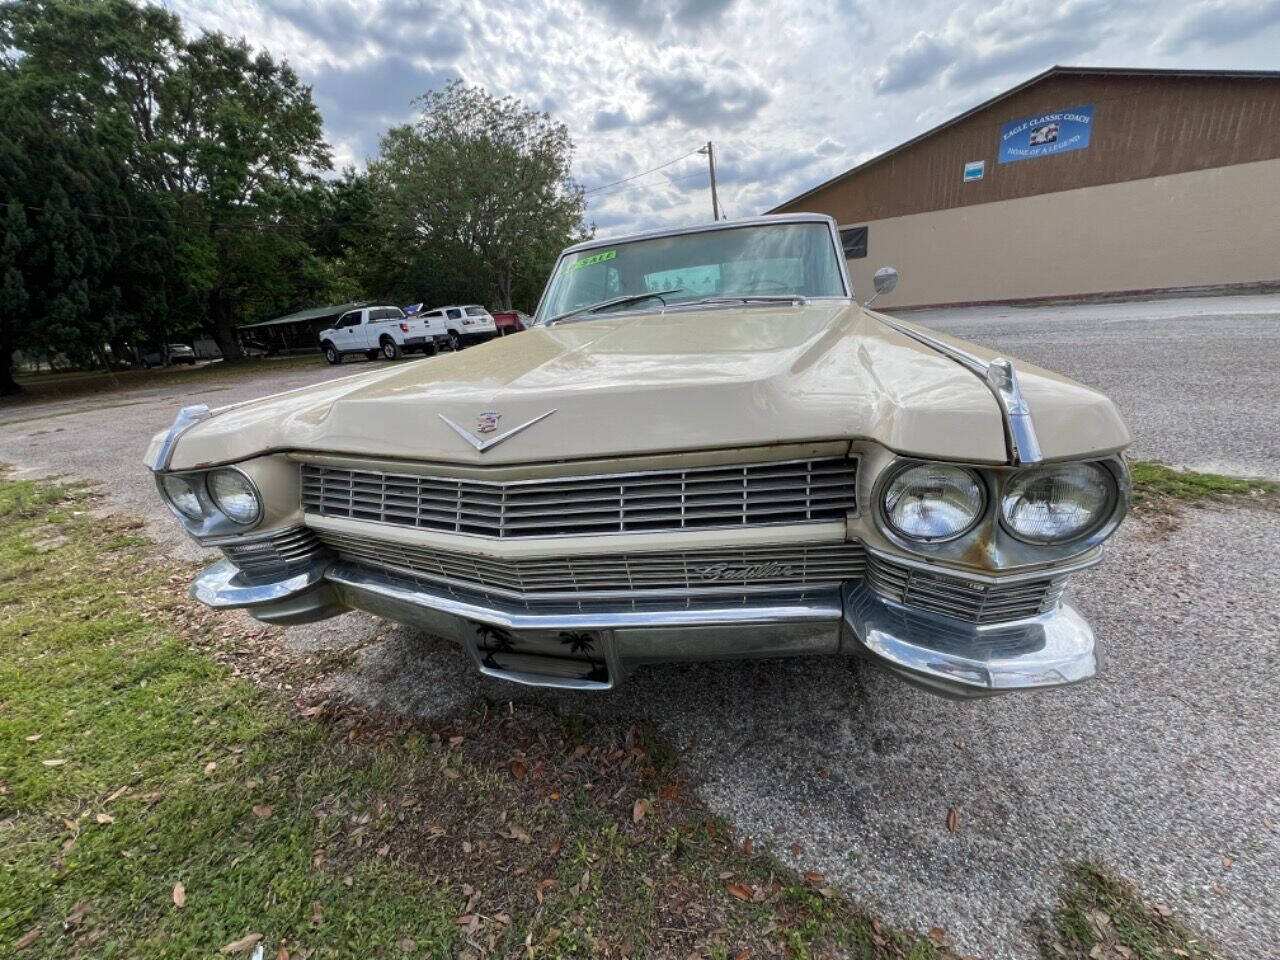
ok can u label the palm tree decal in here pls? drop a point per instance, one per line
(494, 640)
(578, 642)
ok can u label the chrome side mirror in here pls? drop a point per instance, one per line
(885, 280)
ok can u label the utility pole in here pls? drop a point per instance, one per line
(709, 150)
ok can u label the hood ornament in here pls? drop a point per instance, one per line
(487, 423)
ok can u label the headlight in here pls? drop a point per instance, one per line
(180, 492)
(1056, 504)
(234, 495)
(934, 501)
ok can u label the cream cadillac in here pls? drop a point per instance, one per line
(704, 448)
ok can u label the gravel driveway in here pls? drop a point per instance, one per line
(1168, 766)
(1197, 379)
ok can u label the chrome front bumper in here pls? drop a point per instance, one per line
(952, 657)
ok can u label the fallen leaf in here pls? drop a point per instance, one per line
(813, 876)
(738, 891)
(78, 910)
(464, 920)
(556, 844)
(953, 820)
(54, 763)
(743, 954)
(518, 833)
(746, 846)
(243, 944)
(517, 769)
(407, 945)
(179, 895)
(210, 767)
(282, 953)
(828, 892)
(105, 818)
(27, 939)
(639, 809)
(1163, 909)
(797, 849)
(1226, 861)
(263, 812)
(317, 912)
(937, 936)
(34, 737)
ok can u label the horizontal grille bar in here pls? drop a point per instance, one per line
(274, 557)
(791, 492)
(963, 599)
(781, 566)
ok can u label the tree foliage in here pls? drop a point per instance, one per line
(154, 185)
(474, 200)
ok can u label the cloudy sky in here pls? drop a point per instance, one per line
(791, 91)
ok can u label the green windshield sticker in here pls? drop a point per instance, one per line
(594, 258)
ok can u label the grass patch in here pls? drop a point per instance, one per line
(1155, 484)
(1101, 916)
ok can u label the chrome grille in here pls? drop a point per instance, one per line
(801, 565)
(802, 491)
(963, 599)
(276, 556)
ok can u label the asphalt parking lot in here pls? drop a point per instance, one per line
(1167, 767)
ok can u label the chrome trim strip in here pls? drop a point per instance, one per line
(187, 418)
(824, 605)
(221, 586)
(1001, 379)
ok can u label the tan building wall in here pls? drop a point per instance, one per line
(1143, 126)
(1202, 228)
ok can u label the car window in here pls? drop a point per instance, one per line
(475, 311)
(776, 259)
(454, 314)
(386, 313)
(349, 319)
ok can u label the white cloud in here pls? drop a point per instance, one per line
(792, 93)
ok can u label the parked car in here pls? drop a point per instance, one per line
(467, 325)
(381, 331)
(705, 448)
(511, 321)
(177, 353)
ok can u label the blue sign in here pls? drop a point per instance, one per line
(974, 170)
(1046, 134)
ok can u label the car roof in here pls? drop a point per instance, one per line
(701, 228)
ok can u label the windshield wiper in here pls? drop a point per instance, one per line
(751, 298)
(616, 302)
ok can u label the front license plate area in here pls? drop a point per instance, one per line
(553, 658)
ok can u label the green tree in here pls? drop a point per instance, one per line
(152, 182)
(473, 200)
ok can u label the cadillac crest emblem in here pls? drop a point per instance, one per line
(488, 422)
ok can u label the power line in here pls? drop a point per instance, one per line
(644, 173)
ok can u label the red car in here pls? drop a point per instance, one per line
(511, 321)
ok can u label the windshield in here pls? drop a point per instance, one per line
(789, 259)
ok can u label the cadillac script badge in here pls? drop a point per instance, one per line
(488, 422)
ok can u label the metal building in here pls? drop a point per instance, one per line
(1080, 182)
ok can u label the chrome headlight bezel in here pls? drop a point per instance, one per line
(213, 521)
(252, 489)
(896, 472)
(988, 544)
(1105, 521)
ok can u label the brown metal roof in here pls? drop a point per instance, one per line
(1054, 71)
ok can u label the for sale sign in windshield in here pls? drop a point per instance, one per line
(1046, 134)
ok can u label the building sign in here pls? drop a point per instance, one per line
(974, 170)
(1046, 134)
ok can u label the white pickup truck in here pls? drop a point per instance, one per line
(384, 331)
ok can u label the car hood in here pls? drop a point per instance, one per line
(656, 383)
